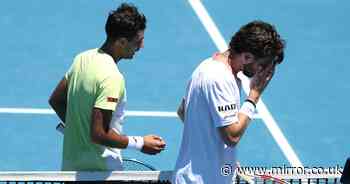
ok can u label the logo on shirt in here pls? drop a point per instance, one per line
(111, 99)
(225, 108)
(228, 111)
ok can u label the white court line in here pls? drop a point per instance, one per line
(264, 113)
(151, 114)
(127, 113)
(25, 111)
(50, 111)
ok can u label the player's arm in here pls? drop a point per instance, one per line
(101, 134)
(232, 133)
(58, 99)
(181, 110)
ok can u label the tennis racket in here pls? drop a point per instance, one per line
(60, 127)
(253, 178)
(131, 164)
(258, 178)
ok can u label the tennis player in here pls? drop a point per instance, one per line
(214, 119)
(90, 99)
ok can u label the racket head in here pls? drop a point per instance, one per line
(131, 164)
(253, 178)
(257, 179)
(271, 179)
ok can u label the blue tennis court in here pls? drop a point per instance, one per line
(307, 97)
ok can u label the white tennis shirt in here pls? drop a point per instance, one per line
(212, 100)
(113, 156)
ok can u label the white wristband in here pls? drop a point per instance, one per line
(248, 109)
(135, 142)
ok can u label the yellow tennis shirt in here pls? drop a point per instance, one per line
(93, 81)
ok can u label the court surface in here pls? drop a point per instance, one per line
(307, 97)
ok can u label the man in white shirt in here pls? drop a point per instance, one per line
(214, 120)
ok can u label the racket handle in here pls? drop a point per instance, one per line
(60, 127)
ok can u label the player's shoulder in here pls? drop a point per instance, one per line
(211, 70)
(94, 54)
(86, 53)
(99, 64)
(109, 73)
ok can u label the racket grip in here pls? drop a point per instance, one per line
(60, 127)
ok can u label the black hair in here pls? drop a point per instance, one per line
(126, 21)
(259, 38)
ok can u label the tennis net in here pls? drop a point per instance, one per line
(150, 177)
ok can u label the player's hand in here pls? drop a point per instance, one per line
(260, 80)
(152, 144)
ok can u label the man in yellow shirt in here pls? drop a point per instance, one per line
(93, 91)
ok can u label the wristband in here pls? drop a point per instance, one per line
(135, 142)
(250, 101)
(248, 109)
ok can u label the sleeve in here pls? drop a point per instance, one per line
(223, 101)
(108, 91)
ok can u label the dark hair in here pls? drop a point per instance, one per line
(125, 21)
(259, 38)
